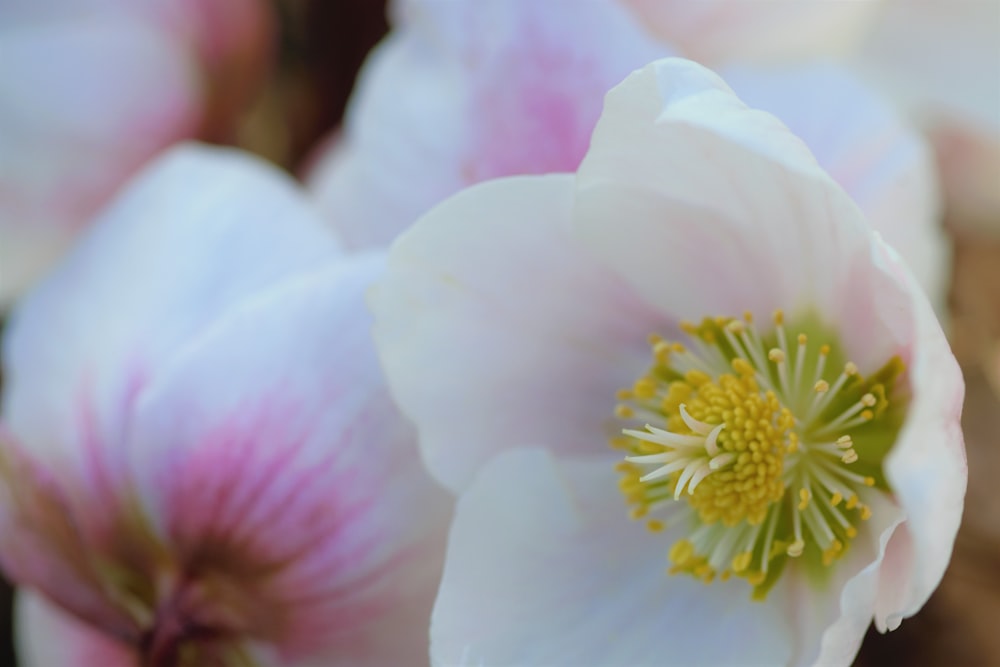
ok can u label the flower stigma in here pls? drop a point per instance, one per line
(763, 446)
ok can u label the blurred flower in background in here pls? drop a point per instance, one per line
(824, 466)
(91, 89)
(200, 462)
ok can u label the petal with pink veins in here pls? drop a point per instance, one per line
(282, 480)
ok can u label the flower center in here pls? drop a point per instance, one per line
(767, 451)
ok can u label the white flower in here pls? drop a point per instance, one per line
(703, 296)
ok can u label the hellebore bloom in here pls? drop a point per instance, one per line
(782, 406)
(92, 90)
(200, 463)
(499, 88)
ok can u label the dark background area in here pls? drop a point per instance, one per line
(323, 42)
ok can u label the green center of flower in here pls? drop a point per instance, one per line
(765, 449)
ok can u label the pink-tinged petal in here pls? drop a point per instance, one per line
(829, 628)
(531, 534)
(927, 467)
(282, 479)
(87, 100)
(718, 31)
(47, 636)
(709, 208)
(44, 543)
(496, 327)
(195, 233)
(468, 91)
(864, 144)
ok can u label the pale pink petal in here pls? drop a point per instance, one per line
(496, 328)
(867, 147)
(709, 208)
(545, 568)
(86, 101)
(47, 636)
(718, 31)
(196, 232)
(277, 470)
(468, 91)
(927, 468)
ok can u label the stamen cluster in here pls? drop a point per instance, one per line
(759, 441)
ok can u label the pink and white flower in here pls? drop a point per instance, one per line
(94, 89)
(466, 91)
(199, 461)
(705, 298)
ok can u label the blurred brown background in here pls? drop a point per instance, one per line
(323, 44)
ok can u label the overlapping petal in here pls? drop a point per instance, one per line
(467, 91)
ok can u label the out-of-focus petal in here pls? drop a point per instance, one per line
(867, 147)
(46, 636)
(26, 252)
(469, 91)
(943, 61)
(85, 102)
(272, 462)
(204, 228)
(489, 303)
(718, 31)
(551, 537)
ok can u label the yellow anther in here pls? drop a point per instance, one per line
(845, 442)
(869, 481)
(742, 561)
(756, 578)
(821, 387)
(624, 412)
(645, 388)
(779, 317)
(852, 502)
(851, 532)
(776, 355)
(661, 351)
(697, 378)
(736, 327)
(804, 497)
(795, 548)
(624, 394)
(803, 339)
(836, 499)
(742, 366)
(824, 350)
(868, 400)
(850, 456)
(867, 415)
(638, 512)
(850, 368)
(681, 552)
(655, 525)
(688, 327)
(866, 512)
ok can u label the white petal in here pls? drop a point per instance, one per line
(544, 568)
(277, 419)
(709, 208)
(463, 92)
(868, 148)
(496, 328)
